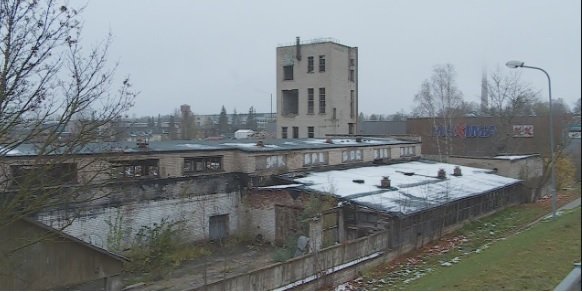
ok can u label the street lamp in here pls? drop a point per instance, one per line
(519, 64)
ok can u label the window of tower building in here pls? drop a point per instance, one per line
(322, 100)
(284, 132)
(310, 101)
(310, 64)
(352, 104)
(351, 127)
(288, 72)
(295, 132)
(310, 132)
(290, 102)
(352, 62)
(322, 63)
(352, 74)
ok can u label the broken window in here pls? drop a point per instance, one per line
(351, 155)
(407, 151)
(322, 100)
(310, 64)
(322, 63)
(290, 102)
(288, 72)
(202, 164)
(381, 153)
(316, 158)
(147, 168)
(44, 174)
(310, 101)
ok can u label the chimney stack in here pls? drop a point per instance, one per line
(442, 174)
(385, 182)
(457, 171)
(298, 49)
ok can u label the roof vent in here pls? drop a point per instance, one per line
(358, 181)
(260, 144)
(385, 182)
(328, 141)
(457, 171)
(142, 144)
(441, 174)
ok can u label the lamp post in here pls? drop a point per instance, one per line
(519, 64)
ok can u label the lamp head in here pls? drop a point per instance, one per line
(514, 64)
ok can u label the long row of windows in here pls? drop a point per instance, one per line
(288, 69)
(285, 132)
(66, 173)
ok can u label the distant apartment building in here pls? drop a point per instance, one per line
(317, 89)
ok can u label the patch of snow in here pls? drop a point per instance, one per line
(248, 145)
(412, 193)
(512, 157)
(10, 152)
(280, 187)
(195, 146)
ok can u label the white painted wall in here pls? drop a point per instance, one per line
(194, 211)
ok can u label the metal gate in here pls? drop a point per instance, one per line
(218, 227)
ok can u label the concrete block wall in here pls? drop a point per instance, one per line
(98, 226)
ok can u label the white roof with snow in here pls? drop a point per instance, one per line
(414, 185)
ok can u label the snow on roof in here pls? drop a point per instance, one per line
(514, 157)
(280, 187)
(9, 151)
(414, 185)
(246, 145)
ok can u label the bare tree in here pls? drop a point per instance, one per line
(55, 100)
(440, 99)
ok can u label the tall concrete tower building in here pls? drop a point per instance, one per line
(484, 92)
(317, 89)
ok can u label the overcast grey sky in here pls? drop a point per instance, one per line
(213, 53)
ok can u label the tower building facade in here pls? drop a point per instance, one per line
(317, 89)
